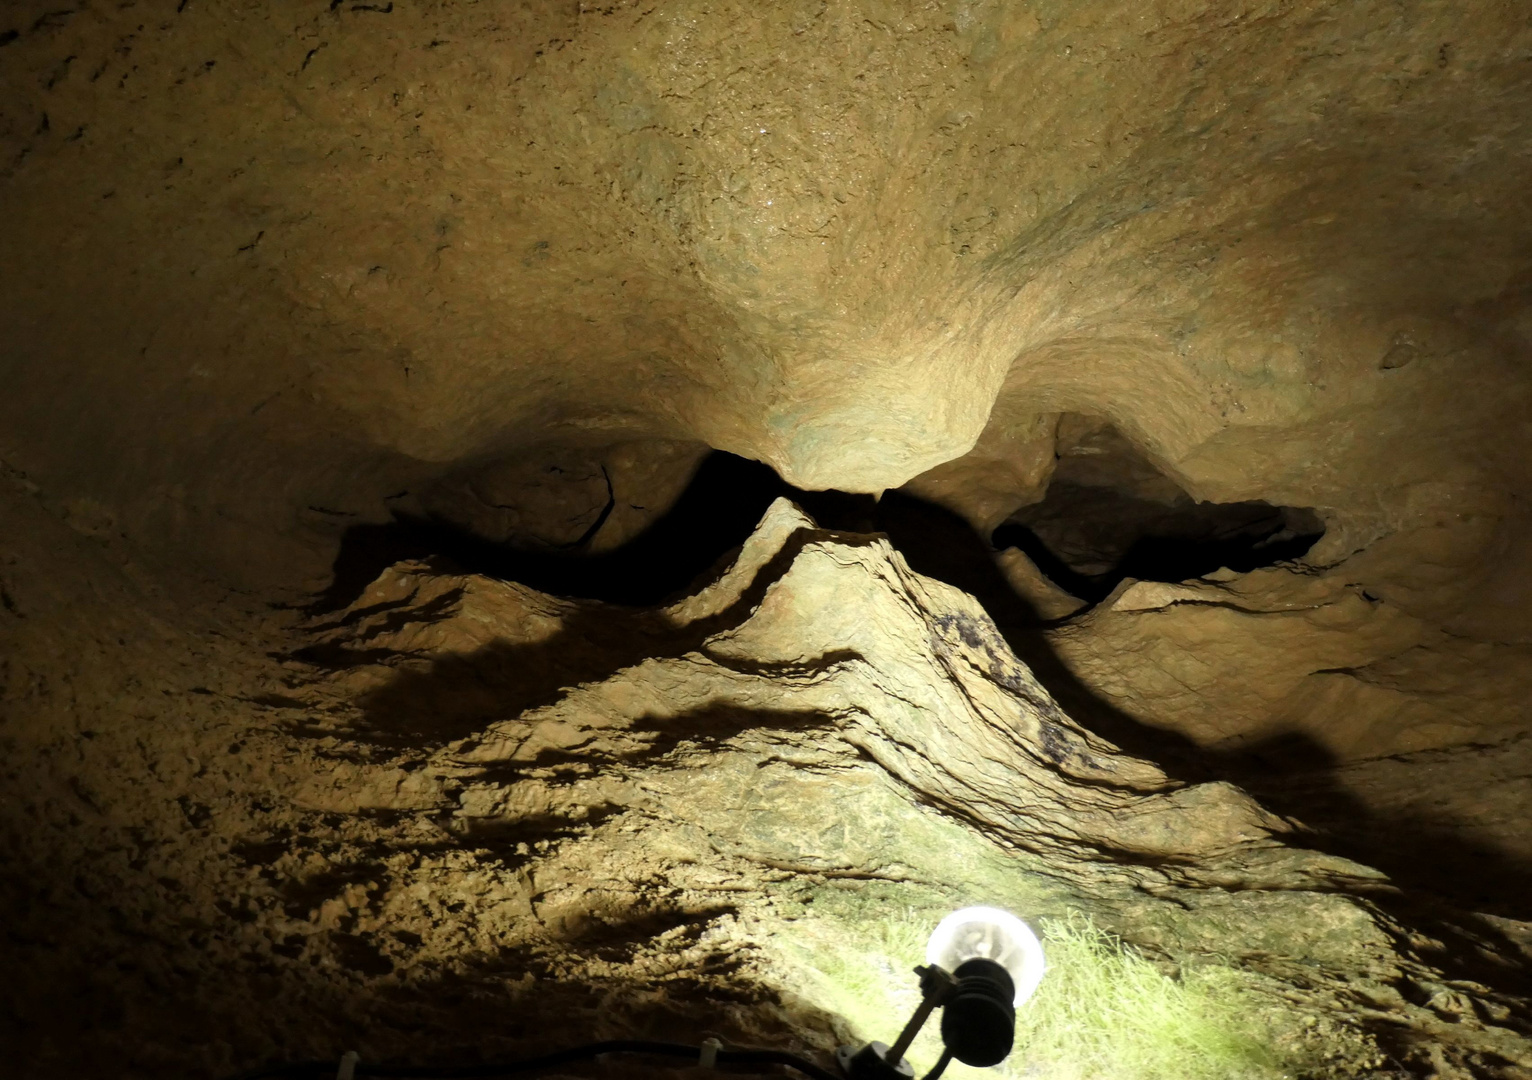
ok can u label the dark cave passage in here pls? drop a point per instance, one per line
(1085, 536)
(1110, 514)
(1088, 540)
(714, 515)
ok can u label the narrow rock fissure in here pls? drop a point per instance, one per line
(1152, 542)
(1085, 537)
(1110, 514)
(713, 516)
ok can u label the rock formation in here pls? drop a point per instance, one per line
(466, 797)
(1151, 380)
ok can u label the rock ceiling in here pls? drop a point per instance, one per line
(327, 250)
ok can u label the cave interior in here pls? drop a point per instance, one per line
(541, 522)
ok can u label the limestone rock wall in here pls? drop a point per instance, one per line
(264, 259)
(272, 270)
(461, 818)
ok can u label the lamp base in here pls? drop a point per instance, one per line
(871, 1062)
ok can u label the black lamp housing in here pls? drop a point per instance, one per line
(978, 1017)
(978, 1023)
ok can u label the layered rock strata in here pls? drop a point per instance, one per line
(462, 817)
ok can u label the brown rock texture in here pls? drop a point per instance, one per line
(283, 284)
(327, 251)
(459, 796)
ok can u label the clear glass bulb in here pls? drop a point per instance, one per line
(995, 935)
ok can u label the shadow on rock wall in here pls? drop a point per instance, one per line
(713, 516)
(1458, 890)
(156, 1007)
(1441, 879)
(1443, 876)
(698, 535)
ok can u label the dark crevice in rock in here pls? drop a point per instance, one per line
(1088, 540)
(455, 695)
(1111, 514)
(688, 546)
(505, 835)
(601, 518)
(713, 516)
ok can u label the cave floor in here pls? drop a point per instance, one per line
(240, 832)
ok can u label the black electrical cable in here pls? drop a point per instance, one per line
(304, 1069)
(776, 1057)
(526, 1065)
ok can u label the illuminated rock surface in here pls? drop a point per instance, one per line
(1082, 281)
(466, 814)
(333, 253)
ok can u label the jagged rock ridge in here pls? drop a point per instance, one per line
(820, 716)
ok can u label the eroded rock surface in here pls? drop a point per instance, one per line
(1306, 658)
(463, 815)
(820, 716)
(273, 273)
(333, 254)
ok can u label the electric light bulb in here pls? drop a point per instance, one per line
(994, 935)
